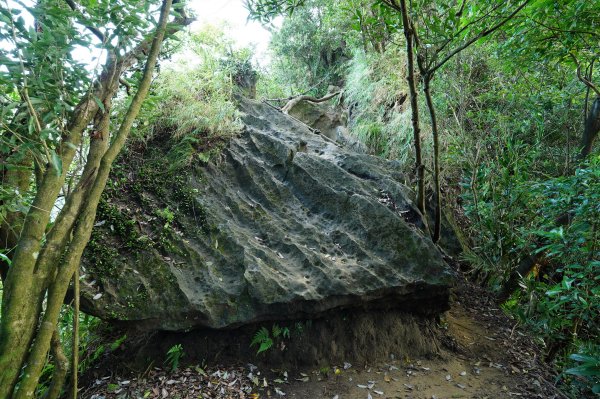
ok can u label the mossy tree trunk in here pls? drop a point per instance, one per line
(44, 262)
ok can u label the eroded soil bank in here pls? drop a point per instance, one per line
(473, 351)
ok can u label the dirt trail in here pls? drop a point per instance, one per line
(478, 367)
(482, 354)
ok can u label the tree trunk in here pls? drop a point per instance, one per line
(414, 106)
(292, 103)
(17, 180)
(24, 290)
(592, 127)
(75, 346)
(436, 160)
(61, 367)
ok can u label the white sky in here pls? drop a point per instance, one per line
(244, 32)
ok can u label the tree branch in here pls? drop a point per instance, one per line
(479, 36)
(61, 366)
(90, 27)
(286, 109)
(582, 78)
(461, 30)
(554, 29)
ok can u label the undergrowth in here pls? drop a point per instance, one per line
(509, 172)
(378, 105)
(194, 100)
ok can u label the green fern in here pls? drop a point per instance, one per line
(262, 339)
(276, 331)
(174, 355)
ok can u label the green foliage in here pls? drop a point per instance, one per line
(174, 355)
(280, 332)
(112, 387)
(262, 339)
(376, 94)
(512, 152)
(265, 340)
(41, 61)
(504, 136)
(193, 100)
(588, 369)
(569, 297)
(270, 86)
(310, 48)
(556, 33)
(39, 66)
(166, 214)
(266, 10)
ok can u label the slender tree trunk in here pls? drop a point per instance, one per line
(75, 359)
(20, 313)
(592, 127)
(20, 307)
(419, 167)
(61, 367)
(17, 180)
(436, 160)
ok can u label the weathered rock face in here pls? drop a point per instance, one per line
(285, 225)
(331, 121)
(322, 116)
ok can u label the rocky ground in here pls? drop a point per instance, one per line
(482, 354)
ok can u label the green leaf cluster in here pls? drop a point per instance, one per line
(174, 355)
(265, 339)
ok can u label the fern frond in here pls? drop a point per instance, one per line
(261, 336)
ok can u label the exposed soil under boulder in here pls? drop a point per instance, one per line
(473, 351)
(284, 225)
(358, 336)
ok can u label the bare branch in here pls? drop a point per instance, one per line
(582, 78)
(312, 99)
(127, 86)
(554, 29)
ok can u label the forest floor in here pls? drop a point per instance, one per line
(482, 354)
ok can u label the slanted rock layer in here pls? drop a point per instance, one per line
(286, 224)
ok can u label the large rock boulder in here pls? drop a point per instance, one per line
(286, 224)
